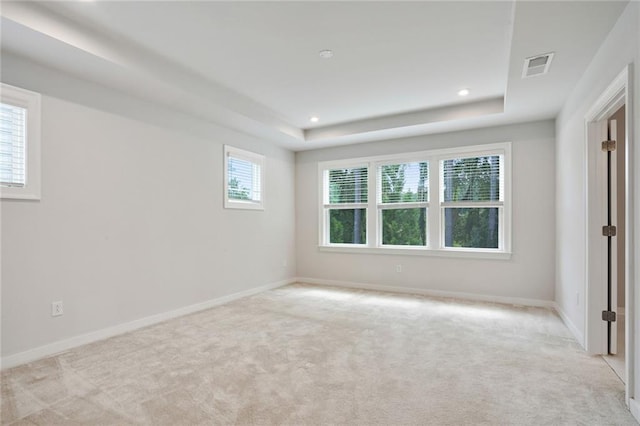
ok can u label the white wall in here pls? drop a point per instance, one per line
(528, 274)
(131, 221)
(619, 49)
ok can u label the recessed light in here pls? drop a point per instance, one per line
(314, 119)
(463, 92)
(326, 54)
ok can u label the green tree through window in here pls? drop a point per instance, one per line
(237, 193)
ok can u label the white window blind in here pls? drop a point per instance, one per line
(403, 183)
(348, 186)
(473, 179)
(13, 137)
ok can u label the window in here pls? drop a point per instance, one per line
(244, 179)
(472, 201)
(19, 143)
(452, 202)
(403, 200)
(345, 205)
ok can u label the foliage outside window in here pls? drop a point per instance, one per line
(470, 188)
(244, 179)
(19, 143)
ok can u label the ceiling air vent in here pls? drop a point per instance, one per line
(537, 65)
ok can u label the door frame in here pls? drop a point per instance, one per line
(618, 93)
(613, 193)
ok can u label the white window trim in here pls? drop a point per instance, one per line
(435, 244)
(230, 151)
(325, 205)
(504, 237)
(31, 101)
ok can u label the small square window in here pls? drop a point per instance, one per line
(19, 143)
(244, 179)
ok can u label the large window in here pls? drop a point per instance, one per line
(451, 202)
(19, 143)
(244, 179)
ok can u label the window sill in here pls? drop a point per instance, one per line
(405, 251)
(243, 206)
(18, 194)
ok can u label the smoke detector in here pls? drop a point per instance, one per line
(537, 65)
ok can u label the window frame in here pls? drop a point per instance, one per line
(31, 102)
(435, 220)
(503, 230)
(252, 157)
(380, 206)
(326, 206)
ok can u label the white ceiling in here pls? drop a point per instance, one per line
(254, 66)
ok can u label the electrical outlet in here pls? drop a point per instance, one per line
(398, 268)
(56, 309)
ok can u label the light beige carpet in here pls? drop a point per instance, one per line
(305, 355)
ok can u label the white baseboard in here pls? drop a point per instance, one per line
(570, 325)
(634, 407)
(66, 344)
(434, 293)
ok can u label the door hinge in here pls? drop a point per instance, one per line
(608, 316)
(609, 231)
(608, 145)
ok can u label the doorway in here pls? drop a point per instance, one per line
(609, 191)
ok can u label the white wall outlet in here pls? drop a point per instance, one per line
(398, 268)
(56, 309)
